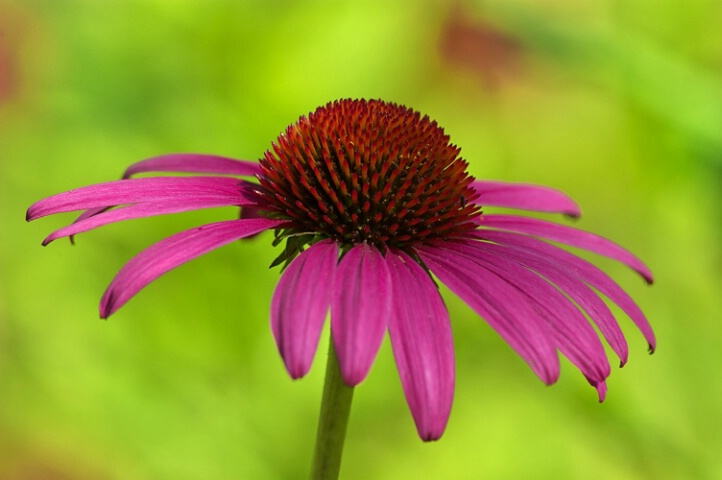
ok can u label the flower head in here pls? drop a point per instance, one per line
(371, 200)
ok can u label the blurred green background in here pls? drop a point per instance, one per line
(617, 102)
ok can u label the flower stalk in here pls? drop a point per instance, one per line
(332, 422)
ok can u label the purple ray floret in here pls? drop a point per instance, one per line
(360, 310)
(525, 197)
(300, 303)
(172, 252)
(420, 333)
(194, 163)
(143, 190)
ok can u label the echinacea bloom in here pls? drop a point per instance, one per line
(371, 200)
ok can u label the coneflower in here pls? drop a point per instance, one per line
(371, 202)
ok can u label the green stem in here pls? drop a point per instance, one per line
(335, 410)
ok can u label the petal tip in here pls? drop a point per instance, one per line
(433, 430)
(600, 386)
(353, 378)
(623, 359)
(573, 213)
(645, 272)
(297, 367)
(601, 391)
(297, 372)
(108, 304)
(430, 437)
(548, 376)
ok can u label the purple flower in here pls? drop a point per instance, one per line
(371, 200)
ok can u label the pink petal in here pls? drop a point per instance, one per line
(139, 210)
(525, 197)
(138, 190)
(194, 163)
(172, 252)
(360, 310)
(300, 303)
(423, 346)
(573, 335)
(495, 301)
(569, 236)
(569, 283)
(584, 270)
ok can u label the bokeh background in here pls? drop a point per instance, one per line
(617, 102)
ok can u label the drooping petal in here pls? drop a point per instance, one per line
(586, 271)
(360, 310)
(423, 346)
(139, 210)
(137, 190)
(573, 335)
(569, 236)
(573, 286)
(194, 163)
(525, 197)
(494, 300)
(171, 252)
(299, 305)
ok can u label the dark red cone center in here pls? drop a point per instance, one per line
(368, 171)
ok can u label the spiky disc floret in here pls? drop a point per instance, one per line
(368, 171)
